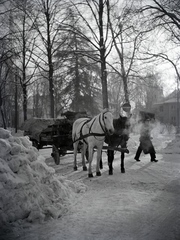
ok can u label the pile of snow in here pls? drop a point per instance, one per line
(174, 146)
(29, 189)
(162, 135)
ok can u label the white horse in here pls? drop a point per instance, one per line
(91, 132)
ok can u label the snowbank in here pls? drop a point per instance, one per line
(174, 146)
(29, 189)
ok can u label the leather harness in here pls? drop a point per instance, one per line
(82, 137)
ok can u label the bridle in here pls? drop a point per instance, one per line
(103, 119)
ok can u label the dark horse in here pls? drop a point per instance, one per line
(119, 138)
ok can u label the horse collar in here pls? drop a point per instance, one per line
(104, 129)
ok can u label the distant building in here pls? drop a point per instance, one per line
(145, 100)
(168, 110)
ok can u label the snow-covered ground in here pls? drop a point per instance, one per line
(29, 189)
(43, 201)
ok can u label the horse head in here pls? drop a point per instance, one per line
(122, 125)
(107, 119)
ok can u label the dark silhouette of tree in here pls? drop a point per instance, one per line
(94, 16)
(3, 96)
(82, 71)
(22, 44)
(49, 16)
(164, 14)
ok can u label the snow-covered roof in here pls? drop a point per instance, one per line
(172, 100)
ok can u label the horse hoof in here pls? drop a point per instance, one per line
(110, 172)
(90, 175)
(75, 168)
(98, 174)
(85, 168)
(122, 170)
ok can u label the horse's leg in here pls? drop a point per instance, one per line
(99, 155)
(87, 154)
(75, 146)
(110, 154)
(83, 152)
(90, 155)
(101, 163)
(122, 162)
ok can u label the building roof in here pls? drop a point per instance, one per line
(173, 95)
(172, 100)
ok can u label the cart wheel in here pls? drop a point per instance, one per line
(55, 154)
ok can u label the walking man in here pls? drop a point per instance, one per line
(145, 143)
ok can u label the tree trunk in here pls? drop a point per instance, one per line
(50, 63)
(24, 85)
(103, 58)
(125, 86)
(104, 80)
(16, 105)
(51, 91)
(121, 58)
(1, 110)
(77, 91)
(24, 88)
(3, 118)
(51, 79)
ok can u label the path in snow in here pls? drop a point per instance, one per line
(142, 204)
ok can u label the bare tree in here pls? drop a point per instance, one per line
(164, 14)
(49, 16)
(127, 35)
(22, 41)
(95, 19)
(5, 68)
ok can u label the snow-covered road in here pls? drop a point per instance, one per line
(142, 204)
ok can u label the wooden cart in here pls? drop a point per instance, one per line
(54, 132)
